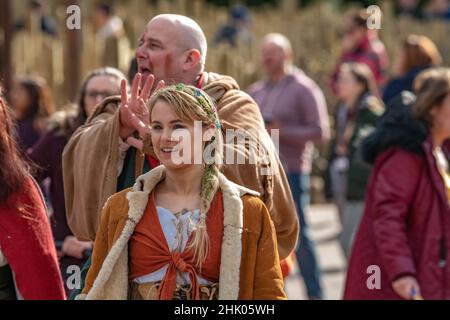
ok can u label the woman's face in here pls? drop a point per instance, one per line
(99, 88)
(441, 118)
(177, 143)
(348, 88)
(20, 101)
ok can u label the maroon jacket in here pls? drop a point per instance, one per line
(405, 229)
(27, 243)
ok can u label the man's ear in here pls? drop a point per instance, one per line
(192, 59)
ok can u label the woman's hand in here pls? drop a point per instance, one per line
(407, 288)
(75, 248)
(134, 114)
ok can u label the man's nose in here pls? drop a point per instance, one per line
(140, 52)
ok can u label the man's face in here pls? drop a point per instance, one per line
(158, 53)
(273, 58)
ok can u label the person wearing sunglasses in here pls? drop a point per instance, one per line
(47, 154)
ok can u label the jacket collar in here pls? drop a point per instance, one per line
(232, 236)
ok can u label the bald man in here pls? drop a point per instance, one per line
(294, 104)
(98, 161)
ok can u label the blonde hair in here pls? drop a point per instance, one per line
(431, 88)
(192, 104)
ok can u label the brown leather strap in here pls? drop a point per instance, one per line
(150, 291)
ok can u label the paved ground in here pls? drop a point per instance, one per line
(325, 227)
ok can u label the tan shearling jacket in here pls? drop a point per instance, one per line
(249, 267)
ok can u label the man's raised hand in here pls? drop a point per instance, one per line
(134, 115)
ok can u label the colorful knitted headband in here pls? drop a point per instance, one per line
(204, 102)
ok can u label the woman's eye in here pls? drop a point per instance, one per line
(156, 127)
(178, 126)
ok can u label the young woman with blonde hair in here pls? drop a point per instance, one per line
(184, 231)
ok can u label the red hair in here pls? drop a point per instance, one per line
(420, 51)
(13, 170)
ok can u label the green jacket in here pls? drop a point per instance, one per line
(369, 111)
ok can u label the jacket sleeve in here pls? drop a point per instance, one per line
(99, 252)
(393, 191)
(268, 283)
(90, 163)
(238, 111)
(28, 245)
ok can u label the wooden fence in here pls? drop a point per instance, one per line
(313, 32)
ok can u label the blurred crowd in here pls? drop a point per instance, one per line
(387, 140)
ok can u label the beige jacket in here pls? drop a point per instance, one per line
(91, 156)
(249, 264)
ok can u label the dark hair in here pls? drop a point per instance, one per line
(359, 17)
(105, 8)
(13, 170)
(41, 102)
(35, 4)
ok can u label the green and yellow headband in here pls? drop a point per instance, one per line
(203, 101)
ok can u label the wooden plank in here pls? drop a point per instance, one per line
(72, 59)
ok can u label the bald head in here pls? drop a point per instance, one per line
(187, 33)
(276, 54)
(280, 41)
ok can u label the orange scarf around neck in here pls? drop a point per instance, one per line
(150, 252)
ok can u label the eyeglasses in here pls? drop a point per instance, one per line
(102, 94)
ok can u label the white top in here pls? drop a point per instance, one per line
(177, 229)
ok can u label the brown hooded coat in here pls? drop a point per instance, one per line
(90, 162)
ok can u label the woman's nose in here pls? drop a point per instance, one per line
(166, 135)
